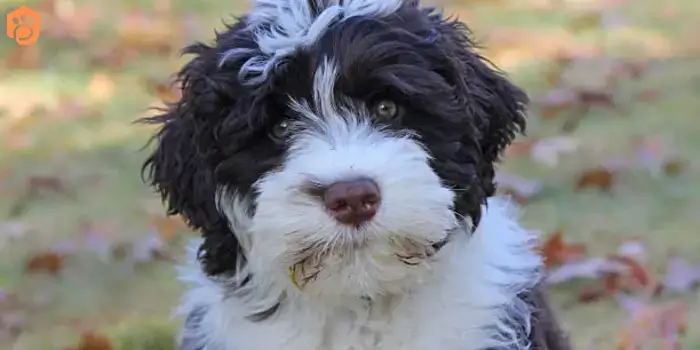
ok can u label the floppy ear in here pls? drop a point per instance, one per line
(494, 112)
(497, 105)
(181, 167)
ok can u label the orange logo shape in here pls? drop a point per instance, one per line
(23, 25)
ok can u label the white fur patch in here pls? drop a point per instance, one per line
(463, 302)
(280, 27)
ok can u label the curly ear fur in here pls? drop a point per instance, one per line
(181, 166)
(495, 106)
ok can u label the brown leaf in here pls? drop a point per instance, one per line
(166, 90)
(108, 56)
(23, 57)
(632, 69)
(147, 32)
(519, 148)
(648, 95)
(647, 322)
(556, 252)
(556, 101)
(63, 20)
(593, 98)
(586, 21)
(556, 71)
(167, 226)
(49, 262)
(101, 88)
(93, 341)
(673, 167)
(48, 183)
(601, 179)
(635, 270)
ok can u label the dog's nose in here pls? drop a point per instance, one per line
(352, 202)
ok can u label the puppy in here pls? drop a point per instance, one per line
(338, 158)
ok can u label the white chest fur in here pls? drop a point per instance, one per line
(468, 302)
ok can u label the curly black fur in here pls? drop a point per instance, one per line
(465, 110)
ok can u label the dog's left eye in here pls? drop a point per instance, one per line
(280, 130)
(386, 109)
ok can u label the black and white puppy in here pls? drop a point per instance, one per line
(338, 158)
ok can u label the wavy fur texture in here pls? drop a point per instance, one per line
(292, 99)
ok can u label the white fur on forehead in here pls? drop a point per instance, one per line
(280, 27)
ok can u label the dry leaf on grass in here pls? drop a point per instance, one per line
(519, 148)
(167, 90)
(623, 271)
(66, 20)
(556, 101)
(101, 88)
(48, 262)
(93, 341)
(602, 179)
(681, 276)
(649, 322)
(23, 57)
(149, 32)
(166, 226)
(586, 21)
(556, 252)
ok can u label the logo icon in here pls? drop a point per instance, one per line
(23, 25)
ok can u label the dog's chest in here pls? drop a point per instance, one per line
(386, 326)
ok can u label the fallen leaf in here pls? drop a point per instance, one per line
(166, 226)
(48, 262)
(556, 101)
(601, 179)
(673, 167)
(63, 20)
(612, 274)
(635, 270)
(167, 91)
(93, 341)
(586, 21)
(23, 57)
(148, 32)
(48, 183)
(681, 276)
(596, 98)
(590, 268)
(101, 88)
(519, 148)
(665, 322)
(556, 252)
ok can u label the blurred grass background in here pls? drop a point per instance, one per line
(85, 247)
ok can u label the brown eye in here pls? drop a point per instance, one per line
(281, 129)
(386, 109)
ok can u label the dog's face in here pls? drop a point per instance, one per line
(338, 143)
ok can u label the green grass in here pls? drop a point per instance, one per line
(107, 296)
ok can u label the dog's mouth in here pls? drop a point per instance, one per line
(311, 261)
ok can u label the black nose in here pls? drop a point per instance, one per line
(352, 202)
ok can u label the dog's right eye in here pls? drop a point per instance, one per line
(386, 110)
(280, 130)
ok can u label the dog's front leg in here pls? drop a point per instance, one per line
(546, 332)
